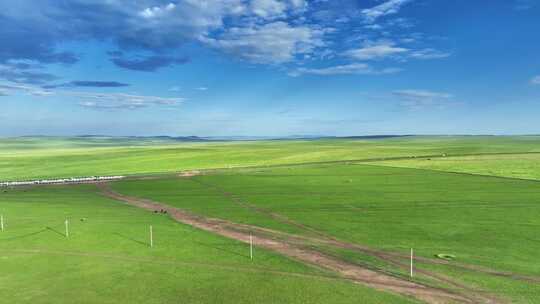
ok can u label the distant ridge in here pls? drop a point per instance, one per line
(158, 137)
(193, 138)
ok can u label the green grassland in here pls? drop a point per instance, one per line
(447, 194)
(107, 258)
(31, 158)
(517, 165)
(485, 221)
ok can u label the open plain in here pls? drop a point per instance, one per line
(332, 226)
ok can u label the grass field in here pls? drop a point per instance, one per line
(32, 158)
(437, 195)
(517, 165)
(107, 258)
(484, 221)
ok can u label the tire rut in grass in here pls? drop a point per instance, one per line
(395, 259)
(350, 271)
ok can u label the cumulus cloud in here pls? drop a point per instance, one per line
(377, 50)
(416, 99)
(535, 80)
(155, 27)
(271, 9)
(388, 7)
(157, 11)
(298, 3)
(346, 69)
(148, 35)
(133, 25)
(275, 42)
(268, 8)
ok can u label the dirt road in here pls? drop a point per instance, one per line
(273, 240)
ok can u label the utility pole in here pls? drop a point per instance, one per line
(151, 237)
(251, 246)
(412, 262)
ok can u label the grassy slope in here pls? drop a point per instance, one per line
(29, 158)
(485, 221)
(525, 166)
(107, 258)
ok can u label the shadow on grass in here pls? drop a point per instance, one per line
(55, 231)
(24, 235)
(223, 247)
(241, 250)
(125, 237)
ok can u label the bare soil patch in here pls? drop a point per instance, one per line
(189, 173)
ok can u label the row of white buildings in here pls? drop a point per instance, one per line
(71, 180)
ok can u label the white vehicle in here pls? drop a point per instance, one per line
(60, 181)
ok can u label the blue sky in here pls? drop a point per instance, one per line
(268, 67)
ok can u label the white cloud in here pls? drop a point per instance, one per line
(259, 31)
(121, 100)
(407, 40)
(536, 80)
(9, 89)
(386, 8)
(14, 87)
(157, 11)
(268, 8)
(421, 94)
(373, 27)
(201, 88)
(353, 68)
(41, 93)
(96, 100)
(271, 9)
(429, 53)
(386, 48)
(24, 72)
(272, 43)
(416, 99)
(376, 51)
(171, 24)
(298, 3)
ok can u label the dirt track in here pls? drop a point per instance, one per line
(395, 259)
(273, 240)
